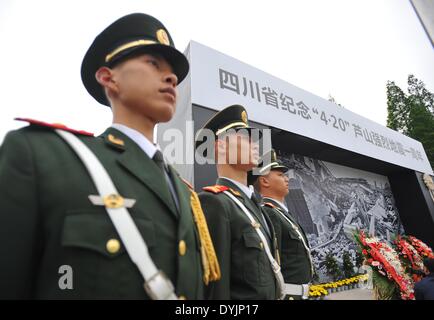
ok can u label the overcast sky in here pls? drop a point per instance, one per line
(344, 48)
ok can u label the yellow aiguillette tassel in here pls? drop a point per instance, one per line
(210, 262)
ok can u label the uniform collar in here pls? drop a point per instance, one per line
(147, 146)
(245, 189)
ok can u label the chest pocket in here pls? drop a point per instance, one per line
(101, 266)
(94, 231)
(291, 243)
(256, 266)
(293, 234)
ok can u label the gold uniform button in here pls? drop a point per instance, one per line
(182, 247)
(291, 298)
(113, 246)
(262, 245)
(182, 298)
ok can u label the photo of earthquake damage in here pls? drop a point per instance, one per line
(331, 201)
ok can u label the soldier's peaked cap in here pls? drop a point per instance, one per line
(267, 162)
(232, 117)
(133, 33)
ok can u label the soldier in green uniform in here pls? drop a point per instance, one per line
(295, 257)
(246, 269)
(61, 241)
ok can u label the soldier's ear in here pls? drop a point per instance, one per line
(105, 78)
(263, 181)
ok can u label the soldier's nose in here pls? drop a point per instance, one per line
(172, 79)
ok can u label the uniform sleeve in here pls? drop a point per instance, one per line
(219, 227)
(18, 218)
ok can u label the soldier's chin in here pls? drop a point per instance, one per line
(246, 166)
(166, 114)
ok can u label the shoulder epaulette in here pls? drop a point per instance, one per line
(269, 204)
(55, 126)
(216, 189)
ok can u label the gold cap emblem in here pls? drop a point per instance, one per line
(244, 116)
(163, 37)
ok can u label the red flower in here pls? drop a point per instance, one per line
(365, 252)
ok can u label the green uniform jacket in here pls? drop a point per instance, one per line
(294, 259)
(47, 220)
(246, 272)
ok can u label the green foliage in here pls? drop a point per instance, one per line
(383, 288)
(359, 255)
(332, 267)
(359, 258)
(412, 113)
(348, 266)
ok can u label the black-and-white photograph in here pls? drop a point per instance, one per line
(331, 202)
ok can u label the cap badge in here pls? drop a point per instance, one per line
(163, 37)
(244, 116)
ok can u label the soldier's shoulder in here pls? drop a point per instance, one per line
(38, 126)
(186, 182)
(220, 189)
(215, 189)
(212, 197)
(214, 202)
(269, 207)
(37, 138)
(271, 210)
(268, 204)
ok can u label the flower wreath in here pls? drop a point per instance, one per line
(410, 257)
(386, 265)
(423, 250)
